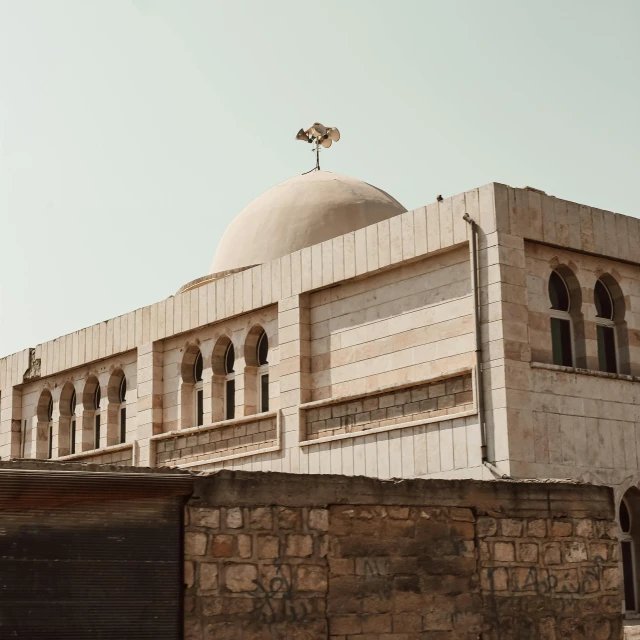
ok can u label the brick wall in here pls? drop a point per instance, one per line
(294, 557)
(407, 404)
(218, 441)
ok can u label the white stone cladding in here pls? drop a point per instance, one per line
(386, 306)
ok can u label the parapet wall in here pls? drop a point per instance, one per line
(351, 558)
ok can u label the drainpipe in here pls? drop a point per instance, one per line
(473, 248)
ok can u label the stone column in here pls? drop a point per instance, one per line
(10, 421)
(149, 403)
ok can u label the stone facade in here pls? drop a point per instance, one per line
(280, 557)
(385, 307)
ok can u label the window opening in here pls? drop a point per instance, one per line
(199, 391)
(262, 352)
(605, 328)
(230, 383)
(627, 547)
(561, 338)
(122, 399)
(50, 420)
(72, 420)
(96, 406)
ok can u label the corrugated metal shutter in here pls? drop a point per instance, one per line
(91, 556)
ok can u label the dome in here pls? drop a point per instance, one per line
(298, 213)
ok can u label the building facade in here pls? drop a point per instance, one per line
(493, 333)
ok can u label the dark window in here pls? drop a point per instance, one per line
(197, 368)
(199, 407)
(72, 403)
(603, 301)
(229, 359)
(123, 425)
(264, 392)
(625, 518)
(627, 572)
(50, 441)
(73, 436)
(96, 399)
(50, 410)
(230, 392)
(558, 292)
(606, 348)
(263, 349)
(96, 444)
(561, 342)
(122, 390)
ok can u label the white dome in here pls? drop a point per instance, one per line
(298, 213)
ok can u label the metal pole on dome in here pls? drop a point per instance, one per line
(317, 155)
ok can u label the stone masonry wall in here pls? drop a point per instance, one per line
(213, 442)
(407, 404)
(279, 556)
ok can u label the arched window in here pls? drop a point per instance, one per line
(262, 352)
(229, 383)
(72, 421)
(605, 328)
(122, 413)
(198, 390)
(628, 547)
(50, 421)
(97, 397)
(561, 332)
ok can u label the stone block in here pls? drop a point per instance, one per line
(240, 577)
(511, 528)
(486, 527)
(560, 528)
(205, 517)
(311, 578)
(207, 576)
(527, 552)
(537, 528)
(299, 546)
(288, 518)
(504, 551)
(195, 544)
(268, 546)
(244, 545)
(261, 518)
(574, 551)
(319, 519)
(552, 553)
(222, 546)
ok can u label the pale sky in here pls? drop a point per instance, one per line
(132, 131)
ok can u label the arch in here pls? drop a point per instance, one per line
(191, 352)
(192, 388)
(67, 420)
(256, 373)
(629, 523)
(92, 414)
(218, 357)
(45, 406)
(251, 345)
(615, 320)
(566, 318)
(117, 408)
(44, 431)
(222, 380)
